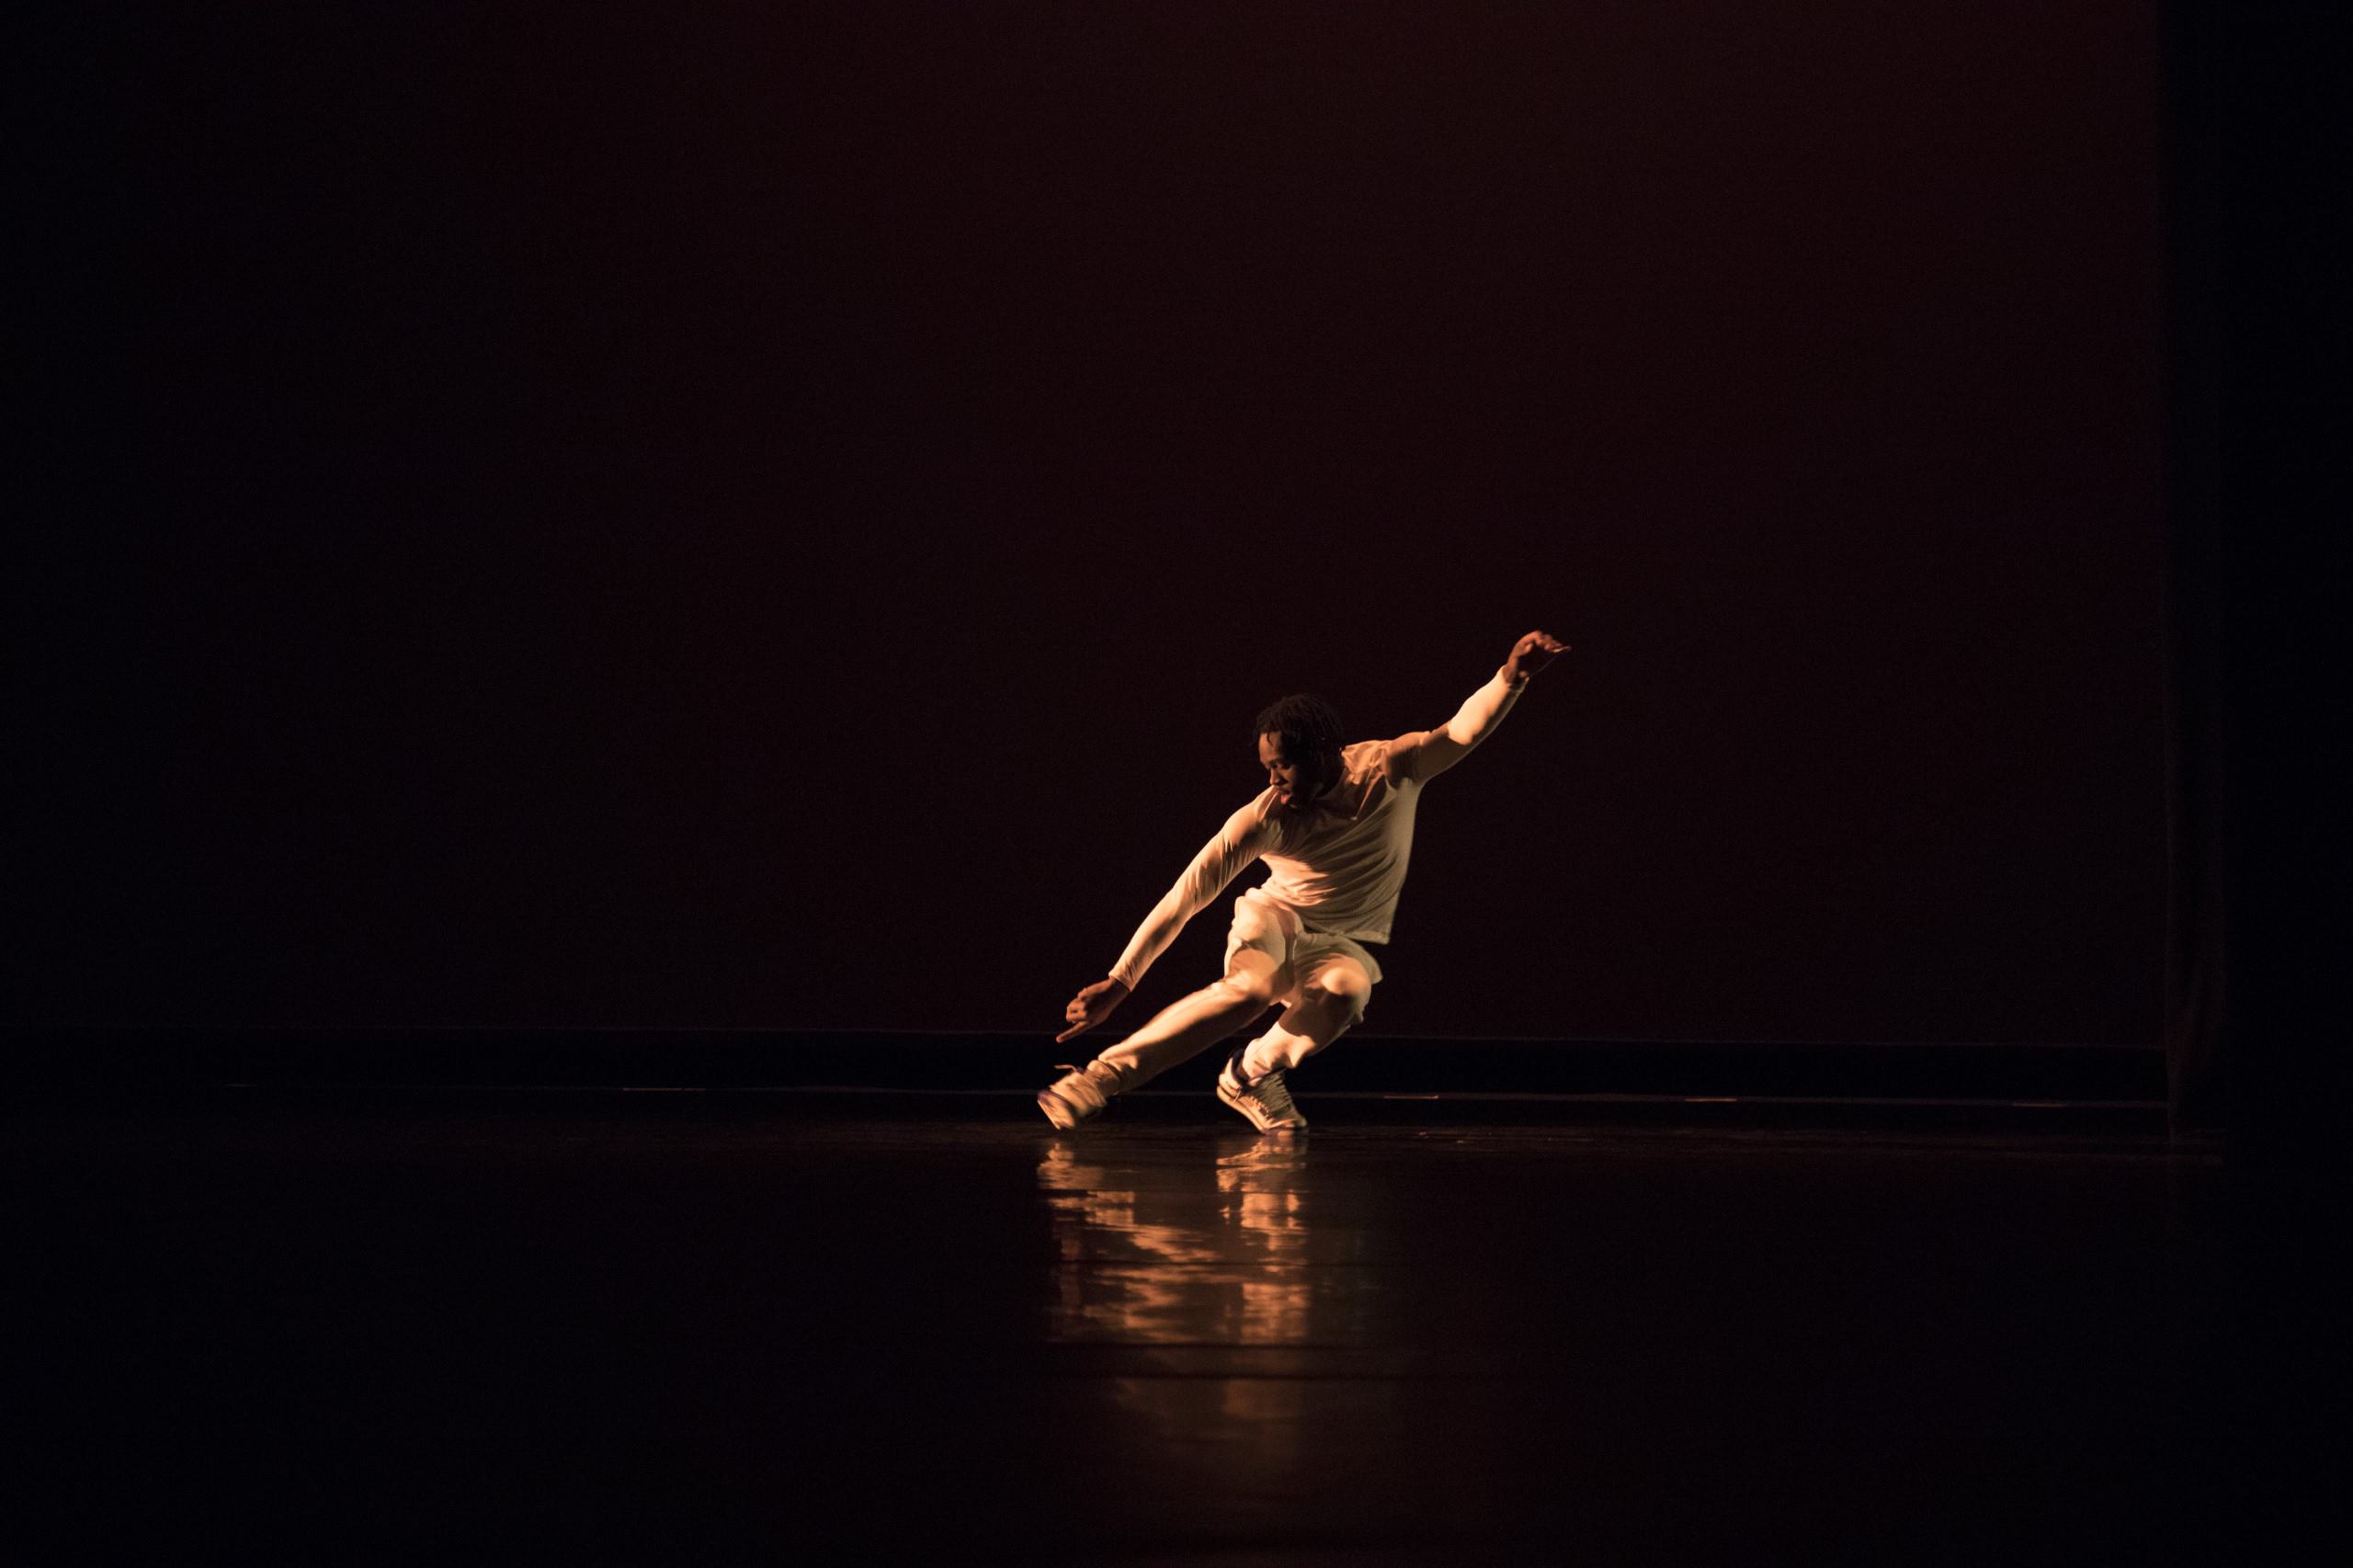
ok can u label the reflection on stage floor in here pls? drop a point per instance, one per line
(680, 1327)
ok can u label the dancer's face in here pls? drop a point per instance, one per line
(1300, 779)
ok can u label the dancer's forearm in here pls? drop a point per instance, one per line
(1152, 939)
(1484, 709)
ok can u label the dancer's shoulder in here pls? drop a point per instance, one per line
(1395, 759)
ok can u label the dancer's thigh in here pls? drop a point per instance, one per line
(1257, 949)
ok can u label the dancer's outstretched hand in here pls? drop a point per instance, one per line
(1534, 651)
(1091, 1006)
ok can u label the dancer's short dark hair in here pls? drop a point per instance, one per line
(1309, 725)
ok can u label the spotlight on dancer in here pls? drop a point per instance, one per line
(1335, 826)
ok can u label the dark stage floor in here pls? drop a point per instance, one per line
(426, 1326)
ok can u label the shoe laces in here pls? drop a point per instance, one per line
(1267, 1091)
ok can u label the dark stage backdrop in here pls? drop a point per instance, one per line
(782, 517)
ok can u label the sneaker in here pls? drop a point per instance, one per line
(1079, 1094)
(1267, 1102)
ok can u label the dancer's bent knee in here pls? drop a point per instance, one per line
(1321, 1014)
(1342, 1006)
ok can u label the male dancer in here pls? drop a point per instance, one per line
(1334, 826)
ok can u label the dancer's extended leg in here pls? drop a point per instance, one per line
(1190, 1025)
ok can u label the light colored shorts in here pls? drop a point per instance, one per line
(1276, 931)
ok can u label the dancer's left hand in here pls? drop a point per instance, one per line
(1534, 651)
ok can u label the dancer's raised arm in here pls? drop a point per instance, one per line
(1425, 754)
